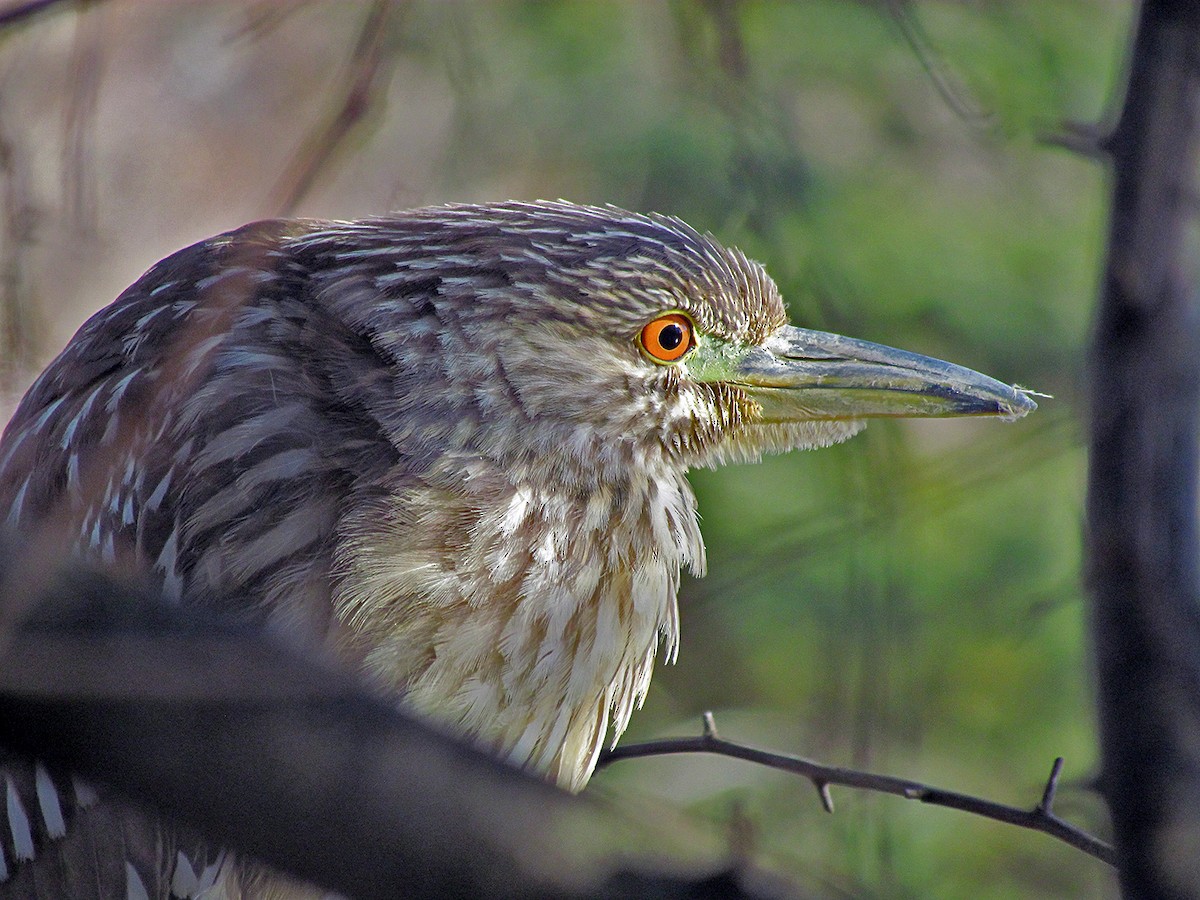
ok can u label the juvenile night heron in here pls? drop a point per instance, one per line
(448, 446)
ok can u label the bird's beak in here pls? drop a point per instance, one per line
(799, 375)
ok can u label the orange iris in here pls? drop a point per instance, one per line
(668, 337)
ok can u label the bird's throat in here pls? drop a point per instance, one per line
(525, 616)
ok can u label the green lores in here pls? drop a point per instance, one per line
(798, 375)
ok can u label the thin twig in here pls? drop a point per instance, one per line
(1047, 804)
(1040, 818)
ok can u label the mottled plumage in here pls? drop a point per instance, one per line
(435, 446)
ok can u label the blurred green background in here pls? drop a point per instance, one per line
(909, 602)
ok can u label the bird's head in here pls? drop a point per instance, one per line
(627, 340)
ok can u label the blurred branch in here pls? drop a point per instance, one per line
(732, 59)
(87, 53)
(1085, 138)
(1142, 529)
(359, 94)
(953, 93)
(18, 216)
(18, 221)
(264, 750)
(18, 12)
(1041, 818)
(263, 17)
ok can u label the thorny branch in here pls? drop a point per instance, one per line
(1041, 818)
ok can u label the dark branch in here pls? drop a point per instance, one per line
(1047, 803)
(1041, 818)
(1142, 529)
(19, 12)
(265, 751)
(1086, 139)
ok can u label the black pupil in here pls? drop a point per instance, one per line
(670, 337)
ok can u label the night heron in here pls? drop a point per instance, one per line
(448, 446)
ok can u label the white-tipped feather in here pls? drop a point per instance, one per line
(49, 803)
(19, 830)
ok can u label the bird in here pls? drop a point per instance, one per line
(447, 447)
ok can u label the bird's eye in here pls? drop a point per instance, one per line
(668, 337)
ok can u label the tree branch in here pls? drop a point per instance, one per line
(369, 64)
(1086, 139)
(18, 12)
(1041, 818)
(264, 750)
(950, 88)
(1142, 528)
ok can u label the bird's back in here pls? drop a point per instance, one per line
(191, 432)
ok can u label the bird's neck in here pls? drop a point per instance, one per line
(520, 613)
